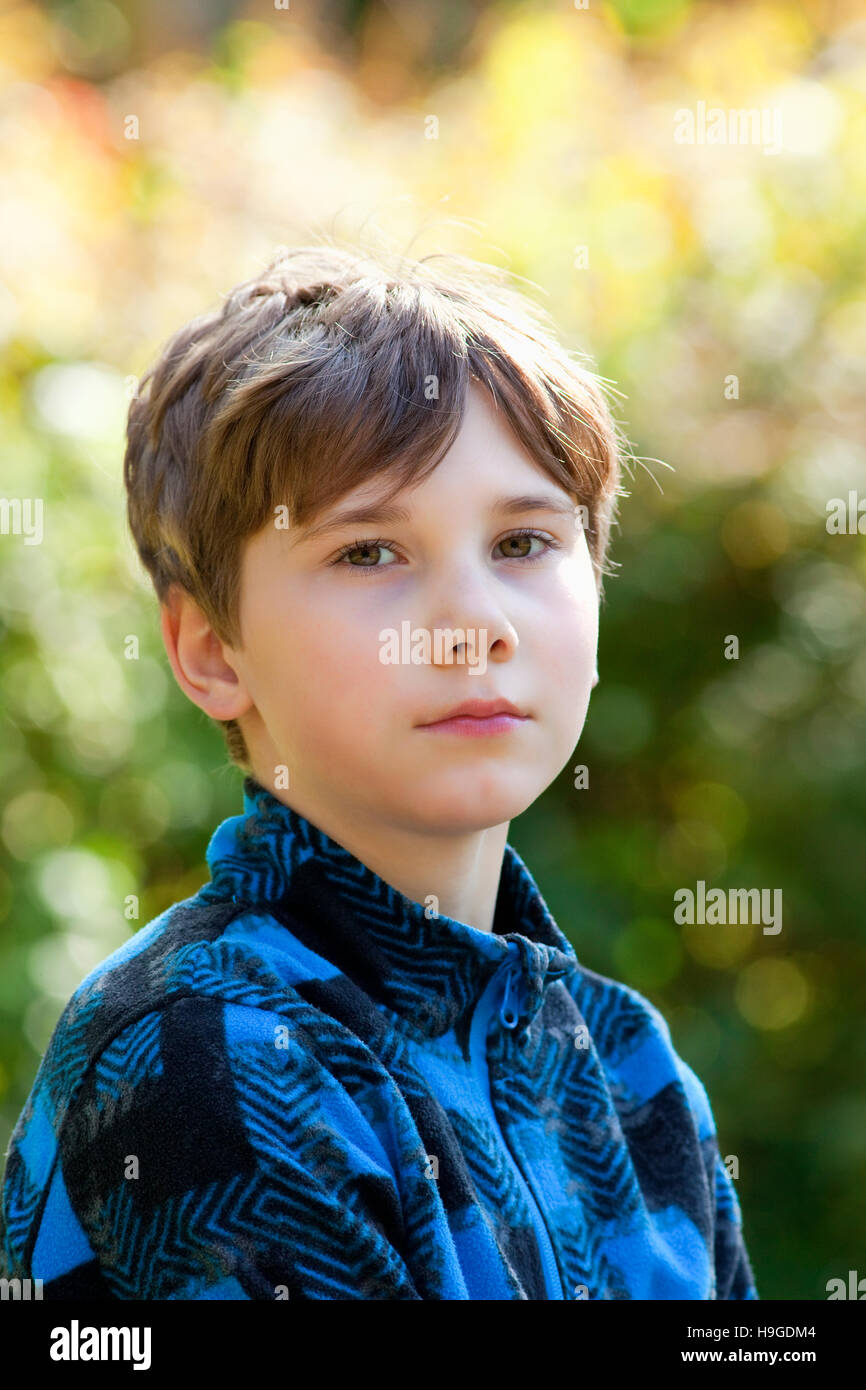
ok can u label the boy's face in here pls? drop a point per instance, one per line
(320, 691)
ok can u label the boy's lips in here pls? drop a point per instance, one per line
(477, 717)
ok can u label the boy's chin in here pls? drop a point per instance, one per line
(467, 805)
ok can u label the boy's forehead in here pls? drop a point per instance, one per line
(385, 498)
(357, 505)
(393, 508)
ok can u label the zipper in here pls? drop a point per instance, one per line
(508, 1016)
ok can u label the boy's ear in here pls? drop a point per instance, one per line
(594, 679)
(198, 658)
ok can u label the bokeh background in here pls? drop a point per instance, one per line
(153, 155)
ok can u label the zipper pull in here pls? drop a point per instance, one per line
(508, 1010)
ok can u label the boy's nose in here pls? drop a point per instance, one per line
(469, 607)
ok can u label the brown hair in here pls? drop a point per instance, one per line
(331, 366)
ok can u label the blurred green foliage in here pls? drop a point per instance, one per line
(718, 285)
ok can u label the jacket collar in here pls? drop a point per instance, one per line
(429, 970)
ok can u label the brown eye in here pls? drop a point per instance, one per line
(518, 541)
(522, 539)
(368, 554)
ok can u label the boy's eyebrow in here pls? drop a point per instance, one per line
(387, 512)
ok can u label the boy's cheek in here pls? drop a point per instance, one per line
(570, 647)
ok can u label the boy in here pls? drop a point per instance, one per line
(363, 1061)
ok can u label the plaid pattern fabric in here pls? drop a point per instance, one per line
(300, 1084)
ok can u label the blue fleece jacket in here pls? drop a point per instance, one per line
(300, 1084)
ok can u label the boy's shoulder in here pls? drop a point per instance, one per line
(167, 1065)
(200, 952)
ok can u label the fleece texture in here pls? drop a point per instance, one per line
(300, 1084)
